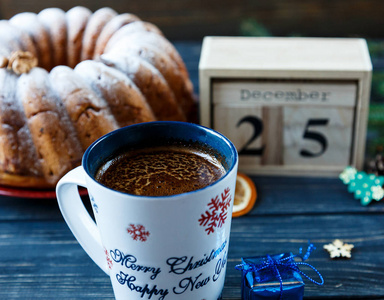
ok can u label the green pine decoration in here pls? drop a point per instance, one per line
(365, 187)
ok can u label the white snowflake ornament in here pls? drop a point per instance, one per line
(339, 249)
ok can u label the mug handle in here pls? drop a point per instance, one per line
(77, 217)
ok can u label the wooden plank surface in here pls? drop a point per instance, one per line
(42, 259)
(195, 19)
(277, 196)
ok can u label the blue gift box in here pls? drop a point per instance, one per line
(271, 277)
(276, 276)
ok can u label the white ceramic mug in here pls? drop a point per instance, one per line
(171, 247)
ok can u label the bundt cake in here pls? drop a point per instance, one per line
(68, 78)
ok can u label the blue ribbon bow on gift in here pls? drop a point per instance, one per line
(275, 267)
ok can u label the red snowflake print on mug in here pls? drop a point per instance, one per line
(108, 258)
(216, 214)
(138, 232)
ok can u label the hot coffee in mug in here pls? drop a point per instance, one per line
(162, 170)
(162, 196)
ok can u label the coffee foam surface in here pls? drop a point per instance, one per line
(161, 171)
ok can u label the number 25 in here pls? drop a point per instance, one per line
(308, 134)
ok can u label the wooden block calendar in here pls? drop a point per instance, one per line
(291, 106)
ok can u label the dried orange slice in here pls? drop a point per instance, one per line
(245, 195)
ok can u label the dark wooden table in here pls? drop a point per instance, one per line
(40, 258)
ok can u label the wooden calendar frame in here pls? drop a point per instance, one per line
(340, 67)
